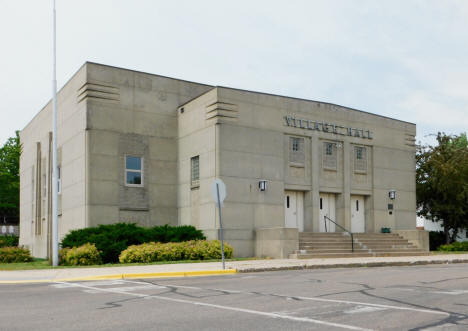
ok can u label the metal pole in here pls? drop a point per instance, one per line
(54, 150)
(220, 226)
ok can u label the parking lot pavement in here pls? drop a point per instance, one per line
(431, 297)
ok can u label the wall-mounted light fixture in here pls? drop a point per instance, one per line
(262, 185)
(392, 194)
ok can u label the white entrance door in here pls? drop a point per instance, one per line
(327, 208)
(357, 214)
(294, 209)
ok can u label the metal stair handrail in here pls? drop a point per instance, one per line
(325, 218)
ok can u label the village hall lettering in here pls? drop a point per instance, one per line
(327, 127)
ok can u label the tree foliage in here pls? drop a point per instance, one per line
(9, 177)
(442, 183)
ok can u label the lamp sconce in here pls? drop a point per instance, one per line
(392, 194)
(262, 185)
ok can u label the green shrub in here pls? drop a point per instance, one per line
(9, 241)
(86, 254)
(167, 233)
(112, 239)
(14, 254)
(188, 250)
(436, 238)
(454, 247)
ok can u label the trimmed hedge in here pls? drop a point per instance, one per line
(454, 247)
(14, 255)
(189, 250)
(112, 239)
(86, 254)
(9, 241)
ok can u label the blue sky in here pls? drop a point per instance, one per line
(403, 59)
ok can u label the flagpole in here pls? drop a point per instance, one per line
(54, 150)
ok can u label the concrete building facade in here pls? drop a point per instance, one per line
(142, 148)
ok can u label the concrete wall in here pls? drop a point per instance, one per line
(253, 145)
(71, 123)
(134, 114)
(103, 114)
(419, 238)
(197, 137)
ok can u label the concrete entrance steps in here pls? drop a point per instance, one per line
(338, 244)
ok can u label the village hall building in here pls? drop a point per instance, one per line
(143, 148)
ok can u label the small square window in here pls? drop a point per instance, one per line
(133, 163)
(133, 171)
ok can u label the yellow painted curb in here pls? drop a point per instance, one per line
(127, 276)
(181, 274)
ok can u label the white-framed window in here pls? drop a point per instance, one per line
(133, 171)
(195, 171)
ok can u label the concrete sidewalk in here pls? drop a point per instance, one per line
(215, 268)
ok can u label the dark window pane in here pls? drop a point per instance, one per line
(133, 178)
(133, 163)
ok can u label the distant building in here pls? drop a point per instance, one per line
(138, 147)
(428, 225)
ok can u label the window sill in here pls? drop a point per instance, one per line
(296, 165)
(360, 172)
(137, 186)
(134, 209)
(329, 169)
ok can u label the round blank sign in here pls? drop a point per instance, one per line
(222, 190)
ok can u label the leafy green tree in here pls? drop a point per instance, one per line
(9, 177)
(442, 183)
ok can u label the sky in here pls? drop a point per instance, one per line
(403, 59)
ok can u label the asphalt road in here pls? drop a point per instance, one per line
(395, 298)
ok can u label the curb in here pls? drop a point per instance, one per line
(353, 265)
(127, 276)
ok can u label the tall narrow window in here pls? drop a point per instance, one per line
(195, 171)
(360, 159)
(329, 156)
(296, 150)
(133, 171)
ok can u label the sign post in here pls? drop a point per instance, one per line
(218, 191)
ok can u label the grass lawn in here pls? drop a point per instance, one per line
(44, 264)
(451, 252)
